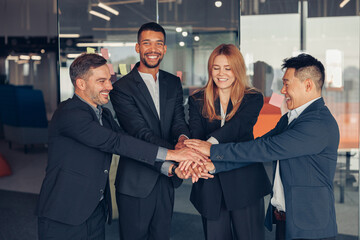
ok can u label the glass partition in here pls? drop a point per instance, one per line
(266, 31)
(330, 33)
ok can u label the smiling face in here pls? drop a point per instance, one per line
(294, 89)
(221, 73)
(152, 48)
(96, 88)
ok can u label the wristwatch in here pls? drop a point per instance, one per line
(173, 169)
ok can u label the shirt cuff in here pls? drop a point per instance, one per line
(184, 136)
(213, 171)
(165, 167)
(161, 154)
(213, 140)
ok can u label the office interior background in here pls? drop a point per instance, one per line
(40, 38)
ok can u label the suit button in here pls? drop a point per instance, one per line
(106, 171)
(101, 191)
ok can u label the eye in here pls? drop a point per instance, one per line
(228, 69)
(216, 68)
(160, 44)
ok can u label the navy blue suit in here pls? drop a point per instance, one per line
(80, 152)
(307, 150)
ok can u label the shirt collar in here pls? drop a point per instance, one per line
(293, 114)
(148, 76)
(98, 109)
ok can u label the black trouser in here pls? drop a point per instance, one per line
(147, 218)
(243, 224)
(281, 229)
(92, 229)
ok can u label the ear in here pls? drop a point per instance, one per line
(309, 85)
(137, 47)
(165, 48)
(81, 84)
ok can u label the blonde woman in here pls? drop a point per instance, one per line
(226, 110)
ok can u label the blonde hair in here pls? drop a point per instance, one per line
(239, 87)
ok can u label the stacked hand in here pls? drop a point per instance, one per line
(192, 154)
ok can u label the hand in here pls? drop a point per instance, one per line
(186, 154)
(200, 146)
(180, 174)
(180, 144)
(195, 171)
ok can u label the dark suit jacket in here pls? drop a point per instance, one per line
(80, 152)
(242, 186)
(137, 114)
(307, 150)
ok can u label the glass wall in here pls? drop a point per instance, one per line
(271, 32)
(266, 31)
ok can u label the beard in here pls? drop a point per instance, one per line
(148, 65)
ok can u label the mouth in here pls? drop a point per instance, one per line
(152, 56)
(222, 79)
(104, 94)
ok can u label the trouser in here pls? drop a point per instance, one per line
(281, 229)
(147, 218)
(92, 229)
(244, 224)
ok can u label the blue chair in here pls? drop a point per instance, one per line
(23, 115)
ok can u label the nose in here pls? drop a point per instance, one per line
(283, 90)
(221, 71)
(109, 85)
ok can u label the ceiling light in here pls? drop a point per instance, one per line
(184, 34)
(36, 58)
(69, 35)
(108, 44)
(196, 38)
(15, 58)
(42, 51)
(73, 55)
(343, 3)
(24, 57)
(218, 4)
(109, 9)
(100, 15)
(181, 44)
(178, 29)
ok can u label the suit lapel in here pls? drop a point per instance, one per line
(215, 124)
(163, 95)
(144, 91)
(314, 106)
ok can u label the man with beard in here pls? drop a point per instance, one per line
(149, 105)
(75, 201)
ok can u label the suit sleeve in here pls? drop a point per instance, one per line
(132, 120)
(197, 129)
(80, 126)
(240, 126)
(179, 125)
(307, 137)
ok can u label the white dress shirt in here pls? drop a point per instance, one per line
(153, 87)
(278, 199)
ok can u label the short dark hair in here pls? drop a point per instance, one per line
(151, 26)
(82, 65)
(306, 66)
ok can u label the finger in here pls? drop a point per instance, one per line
(187, 165)
(207, 175)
